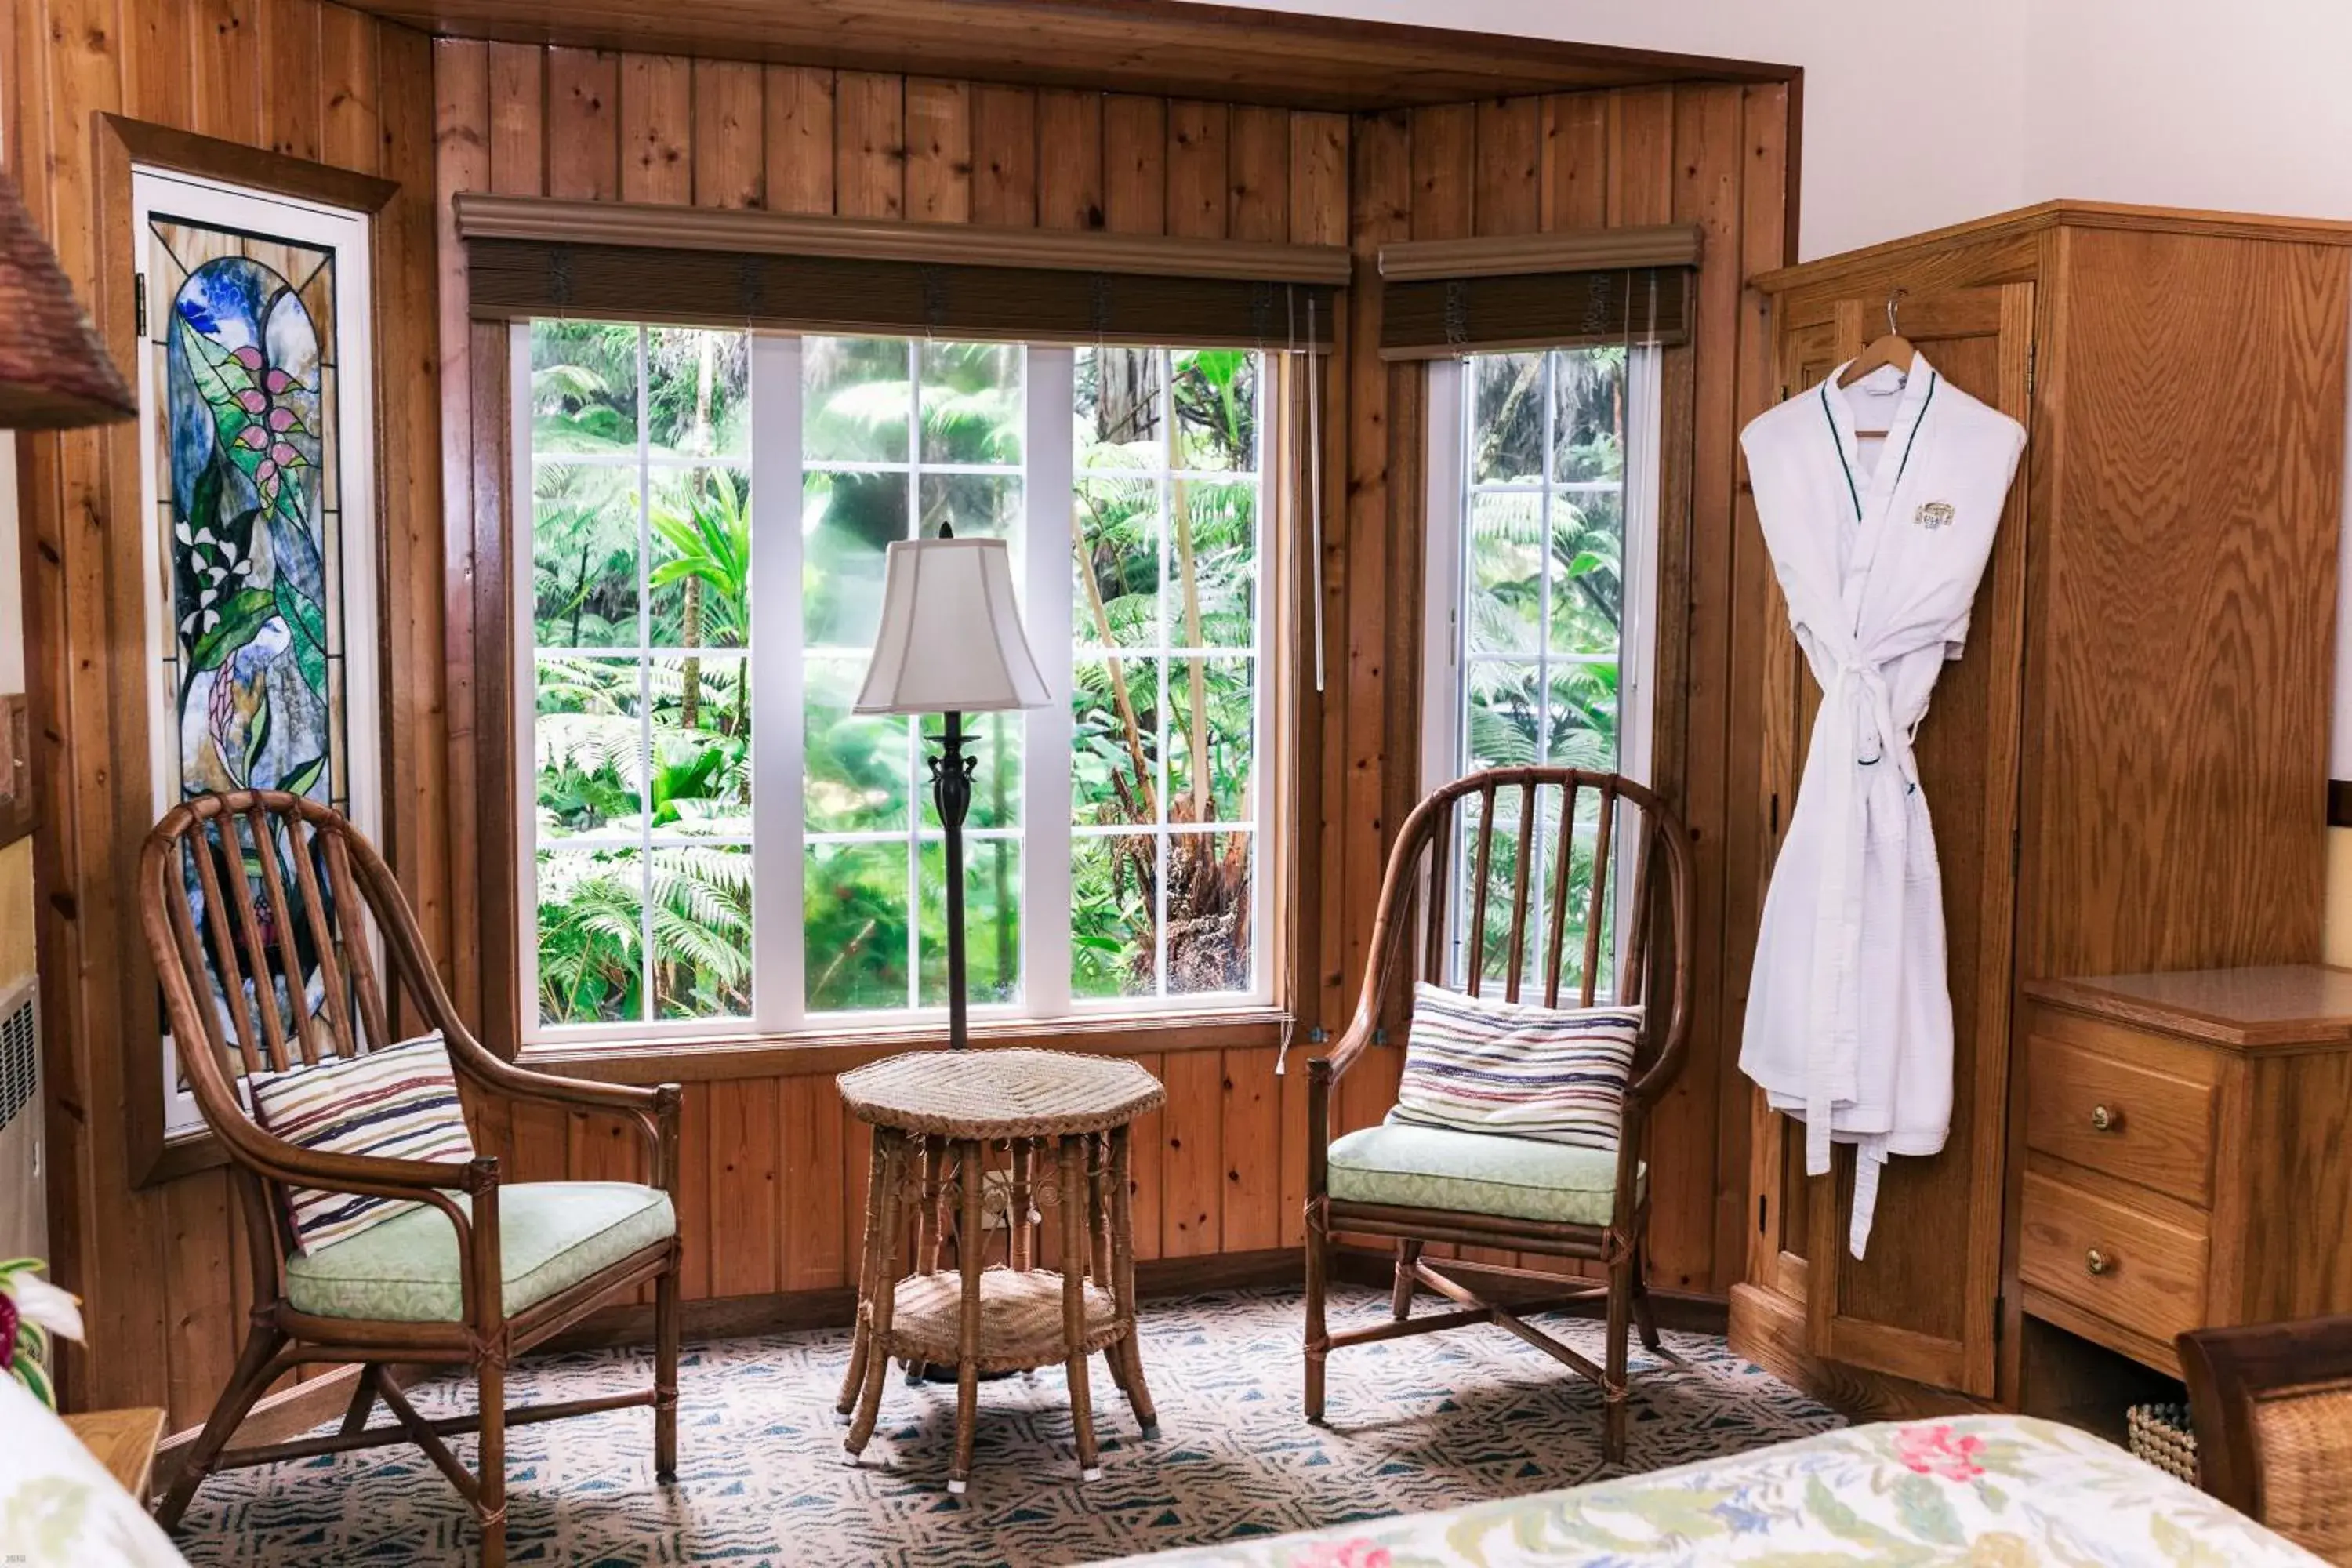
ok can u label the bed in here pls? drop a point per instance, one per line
(1999, 1491)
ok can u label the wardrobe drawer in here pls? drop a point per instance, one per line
(2129, 1120)
(2130, 1266)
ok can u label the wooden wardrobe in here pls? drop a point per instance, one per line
(2128, 767)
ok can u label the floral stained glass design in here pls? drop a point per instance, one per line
(243, 331)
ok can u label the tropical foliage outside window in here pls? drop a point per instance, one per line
(1541, 618)
(652, 675)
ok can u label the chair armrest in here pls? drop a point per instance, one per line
(653, 1111)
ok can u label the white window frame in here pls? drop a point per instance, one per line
(777, 662)
(173, 194)
(1444, 754)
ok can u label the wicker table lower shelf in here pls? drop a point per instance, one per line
(1059, 1124)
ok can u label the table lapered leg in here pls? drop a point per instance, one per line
(1098, 1186)
(1021, 1237)
(1074, 1300)
(924, 1257)
(968, 1253)
(1122, 1286)
(873, 1263)
(891, 1150)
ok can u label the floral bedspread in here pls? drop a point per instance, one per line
(1990, 1491)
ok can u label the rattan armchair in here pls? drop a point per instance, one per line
(1513, 936)
(256, 906)
(2272, 1407)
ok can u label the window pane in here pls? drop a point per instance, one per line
(1587, 533)
(1115, 742)
(972, 410)
(1589, 418)
(591, 936)
(701, 744)
(991, 916)
(977, 506)
(1211, 712)
(1489, 905)
(1120, 405)
(584, 555)
(588, 746)
(1116, 524)
(1113, 945)
(1208, 912)
(699, 391)
(1504, 573)
(855, 403)
(1581, 718)
(849, 521)
(1503, 714)
(702, 567)
(702, 932)
(1213, 550)
(856, 764)
(583, 387)
(854, 928)
(1216, 410)
(1506, 429)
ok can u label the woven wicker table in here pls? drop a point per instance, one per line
(941, 1119)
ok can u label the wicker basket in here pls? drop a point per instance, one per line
(2162, 1435)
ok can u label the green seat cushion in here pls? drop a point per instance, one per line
(552, 1236)
(1407, 1166)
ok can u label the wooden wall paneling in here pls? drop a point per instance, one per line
(1135, 164)
(744, 1259)
(1198, 134)
(1575, 176)
(1764, 117)
(1257, 174)
(1004, 155)
(1709, 158)
(1446, 178)
(695, 1231)
(869, 145)
(798, 131)
(1640, 157)
(351, 126)
(1191, 1201)
(856, 1145)
(1070, 159)
(1254, 1154)
(542, 1145)
(159, 46)
(809, 1154)
(393, 117)
(1509, 178)
(939, 150)
(656, 128)
(205, 1335)
(461, 150)
(227, 63)
(729, 142)
(1145, 1147)
(290, 87)
(519, 116)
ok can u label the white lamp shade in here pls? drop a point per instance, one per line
(951, 640)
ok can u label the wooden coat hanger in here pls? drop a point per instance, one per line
(1892, 348)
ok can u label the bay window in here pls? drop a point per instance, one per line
(713, 842)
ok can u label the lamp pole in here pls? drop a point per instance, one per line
(951, 772)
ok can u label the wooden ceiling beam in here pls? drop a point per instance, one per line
(1158, 47)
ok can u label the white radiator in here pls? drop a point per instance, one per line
(24, 1200)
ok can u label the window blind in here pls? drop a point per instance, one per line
(533, 257)
(1582, 289)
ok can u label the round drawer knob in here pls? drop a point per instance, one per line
(2097, 1262)
(2106, 1118)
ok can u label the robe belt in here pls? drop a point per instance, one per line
(1858, 694)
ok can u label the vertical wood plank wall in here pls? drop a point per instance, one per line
(775, 1182)
(163, 1285)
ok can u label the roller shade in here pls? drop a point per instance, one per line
(530, 256)
(1442, 298)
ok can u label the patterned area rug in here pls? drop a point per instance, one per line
(1416, 1424)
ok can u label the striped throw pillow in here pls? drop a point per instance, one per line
(1476, 1065)
(398, 1103)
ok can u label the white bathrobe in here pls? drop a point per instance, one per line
(1878, 552)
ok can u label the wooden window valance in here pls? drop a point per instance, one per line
(530, 256)
(1442, 298)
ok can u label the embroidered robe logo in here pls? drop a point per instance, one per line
(1933, 514)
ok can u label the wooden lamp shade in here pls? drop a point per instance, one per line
(54, 373)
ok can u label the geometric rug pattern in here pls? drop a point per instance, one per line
(1423, 1423)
